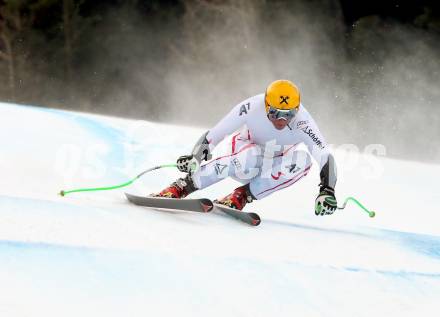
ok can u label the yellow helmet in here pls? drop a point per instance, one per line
(282, 94)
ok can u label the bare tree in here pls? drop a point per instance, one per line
(68, 16)
(73, 27)
(10, 26)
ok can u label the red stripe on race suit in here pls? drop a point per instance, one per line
(247, 146)
(304, 174)
(234, 139)
(285, 151)
(295, 178)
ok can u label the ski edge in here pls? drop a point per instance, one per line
(205, 204)
(251, 218)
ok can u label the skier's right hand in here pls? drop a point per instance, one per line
(201, 152)
(187, 163)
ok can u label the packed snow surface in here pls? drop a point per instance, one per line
(94, 254)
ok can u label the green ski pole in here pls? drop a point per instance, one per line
(65, 192)
(369, 212)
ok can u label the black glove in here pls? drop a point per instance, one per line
(187, 163)
(325, 203)
(200, 152)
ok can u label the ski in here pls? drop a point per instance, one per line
(250, 218)
(198, 205)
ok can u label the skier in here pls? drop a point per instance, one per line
(263, 155)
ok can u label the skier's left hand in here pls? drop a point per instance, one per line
(325, 203)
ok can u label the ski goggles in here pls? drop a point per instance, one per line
(275, 114)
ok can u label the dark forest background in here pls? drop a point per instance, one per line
(368, 70)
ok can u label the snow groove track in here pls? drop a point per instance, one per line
(94, 254)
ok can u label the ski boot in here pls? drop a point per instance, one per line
(178, 189)
(238, 198)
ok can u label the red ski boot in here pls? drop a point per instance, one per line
(238, 198)
(178, 189)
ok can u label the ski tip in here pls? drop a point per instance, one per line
(129, 196)
(255, 219)
(206, 204)
(133, 197)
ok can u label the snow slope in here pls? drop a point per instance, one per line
(93, 254)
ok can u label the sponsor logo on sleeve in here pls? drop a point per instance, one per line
(313, 136)
(244, 108)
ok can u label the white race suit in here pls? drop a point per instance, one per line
(260, 155)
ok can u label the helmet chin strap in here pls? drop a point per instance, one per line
(288, 123)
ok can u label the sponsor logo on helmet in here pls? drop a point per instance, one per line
(313, 136)
(284, 99)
